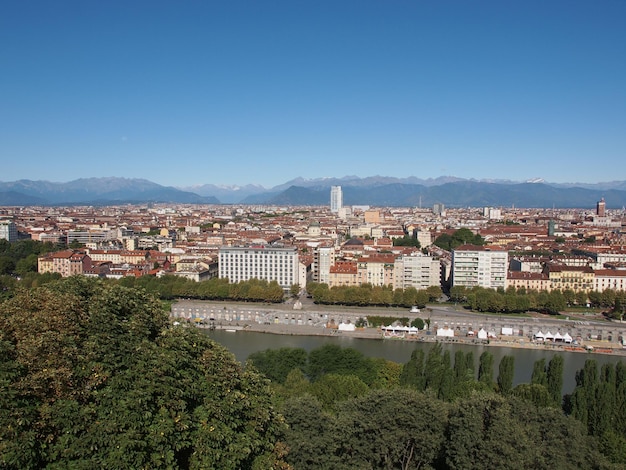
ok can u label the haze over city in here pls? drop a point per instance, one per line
(184, 93)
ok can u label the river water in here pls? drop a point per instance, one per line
(244, 343)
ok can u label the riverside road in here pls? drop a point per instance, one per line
(583, 329)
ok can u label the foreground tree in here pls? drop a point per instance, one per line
(396, 428)
(505, 375)
(93, 376)
(491, 431)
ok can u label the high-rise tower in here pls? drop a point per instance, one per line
(601, 208)
(336, 198)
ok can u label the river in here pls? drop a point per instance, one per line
(244, 343)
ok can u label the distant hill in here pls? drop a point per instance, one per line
(96, 191)
(13, 198)
(449, 190)
(374, 191)
(226, 194)
(457, 194)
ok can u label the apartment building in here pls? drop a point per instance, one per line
(92, 237)
(324, 258)
(377, 269)
(576, 278)
(8, 230)
(529, 280)
(260, 262)
(119, 256)
(66, 263)
(344, 274)
(614, 279)
(483, 266)
(417, 270)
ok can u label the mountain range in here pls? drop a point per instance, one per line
(373, 191)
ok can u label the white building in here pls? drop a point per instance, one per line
(239, 264)
(336, 198)
(417, 270)
(8, 230)
(492, 213)
(94, 237)
(614, 279)
(484, 266)
(324, 259)
(424, 237)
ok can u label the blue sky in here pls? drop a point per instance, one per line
(261, 92)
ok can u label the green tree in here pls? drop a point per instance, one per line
(333, 388)
(492, 431)
(485, 369)
(296, 385)
(554, 379)
(7, 265)
(94, 376)
(312, 434)
(539, 375)
(396, 428)
(406, 241)
(276, 364)
(412, 374)
(505, 374)
(334, 359)
(535, 393)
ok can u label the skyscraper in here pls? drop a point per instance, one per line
(601, 208)
(8, 230)
(336, 198)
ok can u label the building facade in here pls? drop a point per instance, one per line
(479, 266)
(8, 230)
(239, 264)
(417, 270)
(336, 199)
(66, 263)
(324, 259)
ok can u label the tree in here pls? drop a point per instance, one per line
(7, 265)
(333, 388)
(539, 375)
(312, 434)
(331, 358)
(492, 431)
(412, 374)
(294, 290)
(94, 376)
(554, 379)
(296, 385)
(396, 428)
(406, 241)
(276, 364)
(485, 369)
(505, 374)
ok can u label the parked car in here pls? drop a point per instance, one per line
(414, 309)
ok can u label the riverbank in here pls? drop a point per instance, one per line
(590, 347)
(589, 335)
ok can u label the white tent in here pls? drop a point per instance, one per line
(548, 336)
(482, 334)
(558, 337)
(567, 338)
(539, 336)
(346, 326)
(446, 332)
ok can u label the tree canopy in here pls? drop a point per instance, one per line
(462, 236)
(93, 375)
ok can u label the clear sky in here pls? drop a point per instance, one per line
(261, 92)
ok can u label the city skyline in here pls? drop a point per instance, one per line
(248, 93)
